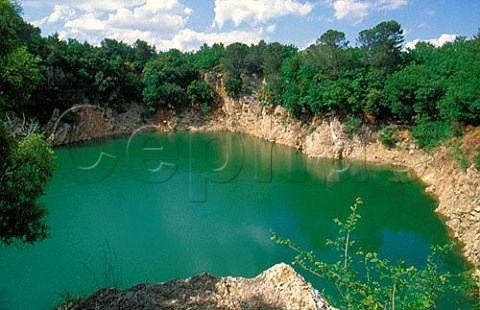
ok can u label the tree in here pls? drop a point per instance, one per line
(332, 44)
(10, 22)
(273, 57)
(166, 79)
(200, 92)
(234, 65)
(68, 71)
(19, 72)
(381, 284)
(141, 54)
(291, 77)
(25, 169)
(208, 58)
(462, 90)
(255, 58)
(233, 59)
(414, 90)
(233, 84)
(37, 75)
(19, 77)
(382, 44)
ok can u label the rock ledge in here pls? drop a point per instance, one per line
(279, 287)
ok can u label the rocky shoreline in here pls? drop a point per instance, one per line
(279, 287)
(457, 190)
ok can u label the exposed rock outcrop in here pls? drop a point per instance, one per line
(88, 122)
(280, 287)
(457, 190)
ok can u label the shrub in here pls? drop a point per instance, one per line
(71, 301)
(200, 92)
(382, 285)
(233, 85)
(429, 133)
(386, 137)
(352, 125)
(459, 156)
(25, 169)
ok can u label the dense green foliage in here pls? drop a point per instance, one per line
(382, 44)
(365, 281)
(434, 90)
(166, 79)
(173, 80)
(26, 158)
(200, 92)
(77, 72)
(19, 69)
(386, 137)
(25, 168)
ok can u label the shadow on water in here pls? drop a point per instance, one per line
(112, 270)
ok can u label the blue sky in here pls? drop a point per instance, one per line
(187, 24)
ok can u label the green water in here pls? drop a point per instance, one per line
(157, 207)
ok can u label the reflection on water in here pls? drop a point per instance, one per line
(157, 207)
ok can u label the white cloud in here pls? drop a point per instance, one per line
(422, 25)
(351, 9)
(257, 11)
(60, 13)
(100, 5)
(188, 39)
(412, 44)
(440, 41)
(429, 12)
(444, 38)
(162, 23)
(150, 16)
(359, 9)
(271, 28)
(86, 22)
(154, 21)
(85, 5)
(390, 4)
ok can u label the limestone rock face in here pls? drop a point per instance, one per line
(280, 287)
(92, 122)
(457, 190)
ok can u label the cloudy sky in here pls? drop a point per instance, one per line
(187, 24)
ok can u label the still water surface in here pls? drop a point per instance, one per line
(157, 207)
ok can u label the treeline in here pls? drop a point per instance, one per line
(436, 90)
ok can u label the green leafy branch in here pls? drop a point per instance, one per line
(381, 284)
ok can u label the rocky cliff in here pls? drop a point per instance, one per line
(457, 189)
(280, 287)
(87, 122)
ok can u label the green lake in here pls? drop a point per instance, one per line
(157, 207)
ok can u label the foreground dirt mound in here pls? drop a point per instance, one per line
(280, 287)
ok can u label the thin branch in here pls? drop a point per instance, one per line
(345, 264)
(393, 295)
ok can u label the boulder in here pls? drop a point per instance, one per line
(280, 287)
